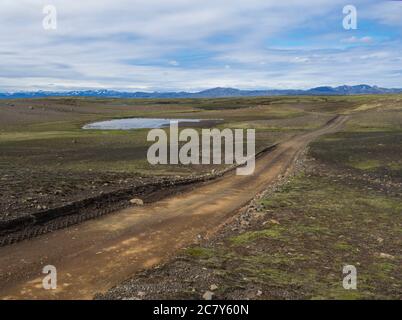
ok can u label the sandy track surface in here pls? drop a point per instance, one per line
(95, 255)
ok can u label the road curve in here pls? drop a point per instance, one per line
(95, 255)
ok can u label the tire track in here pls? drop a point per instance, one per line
(95, 255)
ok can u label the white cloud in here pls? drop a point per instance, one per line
(385, 12)
(133, 44)
(174, 63)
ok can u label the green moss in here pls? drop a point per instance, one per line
(271, 259)
(271, 233)
(340, 294)
(381, 203)
(277, 202)
(366, 164)
(382, 271)
(340, 245)
(311, 229)
(199, 252)
(282, 277)
(395, 165)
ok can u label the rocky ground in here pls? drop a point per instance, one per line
(292, 243)
(25, 191)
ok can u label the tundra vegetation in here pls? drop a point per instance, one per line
(47, 160)
(342, 207)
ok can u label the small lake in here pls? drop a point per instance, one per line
(142, 123)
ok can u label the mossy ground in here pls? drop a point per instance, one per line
(344, 209)
(310, 230)
(47, 160)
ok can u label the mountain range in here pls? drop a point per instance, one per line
(209, 93)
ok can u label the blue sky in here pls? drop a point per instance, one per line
(160, 45)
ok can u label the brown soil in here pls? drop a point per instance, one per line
(290, 243)
(95, 255)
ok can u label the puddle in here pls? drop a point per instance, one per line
(143, 123)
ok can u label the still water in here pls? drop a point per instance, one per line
(137, 123)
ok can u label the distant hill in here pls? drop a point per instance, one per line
(209, 93)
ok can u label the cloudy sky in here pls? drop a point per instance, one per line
(164, 45)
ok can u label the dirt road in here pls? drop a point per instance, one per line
(98, 254)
